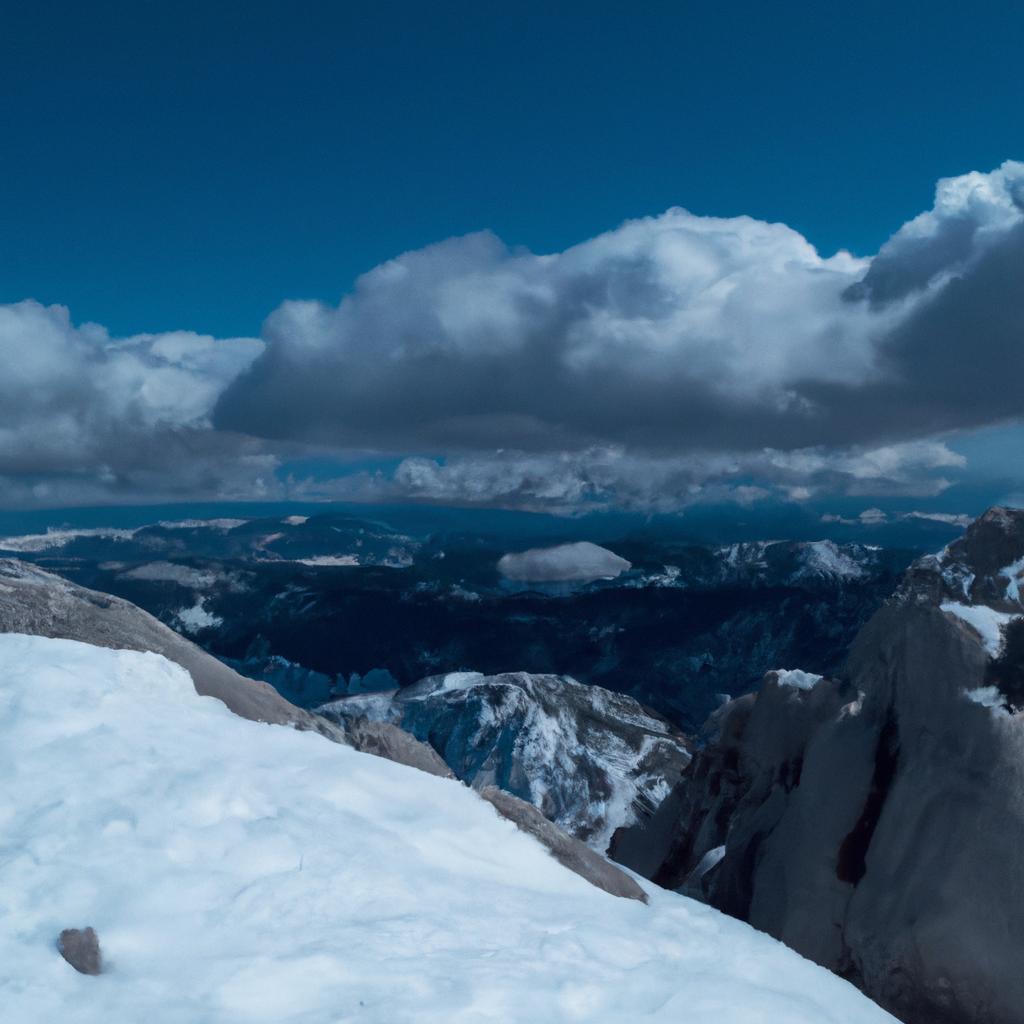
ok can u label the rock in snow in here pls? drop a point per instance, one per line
(875, 822)
(81, 948)
(589, 759)
(241, 872)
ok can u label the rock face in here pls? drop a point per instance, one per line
(386, 740)
(81, 948)
(590, 760)
(875, 822)
(569, 852)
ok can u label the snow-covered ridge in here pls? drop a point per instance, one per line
(54, 538)
(239, 873)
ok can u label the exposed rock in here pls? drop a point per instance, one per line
(589, 759)
(81, 948)
(875, 822)
(569, 852)
(386, 740)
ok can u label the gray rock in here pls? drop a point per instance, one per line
(81, 948)
(875, 823)
(388, 741)
(569, 852)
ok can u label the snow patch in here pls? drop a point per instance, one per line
(1013, 574)
(193, 619)
(985, 621)
(295, 520)
(52, 539)
(797, 678)
(329, 560)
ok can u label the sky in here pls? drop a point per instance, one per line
(603, 254)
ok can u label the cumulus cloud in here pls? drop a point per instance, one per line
(84, 416)
(676, 358)
(670, 333)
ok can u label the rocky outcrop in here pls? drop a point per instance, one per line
(568, 851)
(383, 739)
(589, 759)
(875, 822)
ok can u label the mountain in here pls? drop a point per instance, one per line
(874, 821)
(238, 872)
(590, 760)
(332, 605)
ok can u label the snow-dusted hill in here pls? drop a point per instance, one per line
(241, 872)
(589, 759)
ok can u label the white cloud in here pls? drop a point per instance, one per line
(673, 359)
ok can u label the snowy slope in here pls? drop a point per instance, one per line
(242, 872)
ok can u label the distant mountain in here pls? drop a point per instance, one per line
(875, 821)
(331, 605)
(590, 760)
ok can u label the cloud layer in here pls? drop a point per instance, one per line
(673, 359)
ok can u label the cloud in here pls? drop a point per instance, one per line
(84, 416)
(674, 359)
(564, 562)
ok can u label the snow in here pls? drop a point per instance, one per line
(461, 680)
(193, 619)
(1013, 574)
(579, 561)
(169, 572)
(238, 872)
(984, 620)
(797, 678)
(986, 696)
(329, 560)
(826, 558)
(201, 524)
(34, 542)
(295, 520)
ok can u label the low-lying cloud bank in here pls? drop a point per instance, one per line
(674, 359)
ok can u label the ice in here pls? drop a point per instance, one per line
(238, 872)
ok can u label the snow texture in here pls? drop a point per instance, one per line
(238, 872)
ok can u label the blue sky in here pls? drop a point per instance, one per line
(173, 165)
(182, 173)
